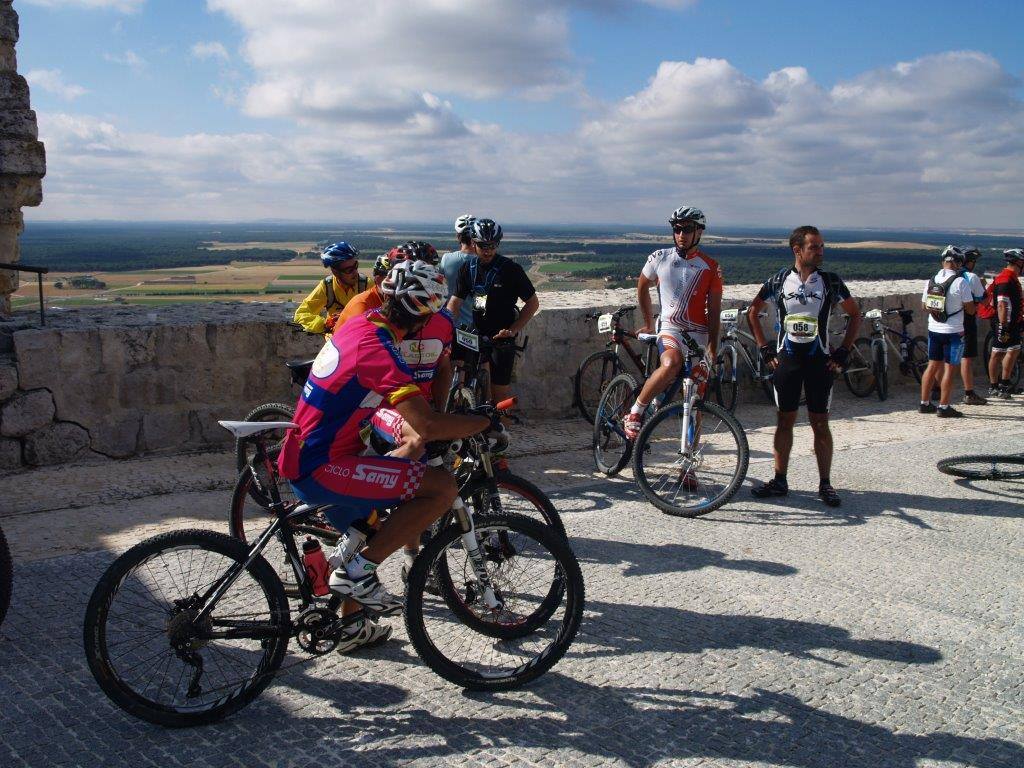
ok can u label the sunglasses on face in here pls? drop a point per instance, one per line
(687, 229)
(349, 270)
(487, 246)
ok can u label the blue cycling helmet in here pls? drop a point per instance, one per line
(338, 253)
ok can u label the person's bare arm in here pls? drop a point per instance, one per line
(852, 308)
(643, 300)
(431, 425)
(754, 322)
(442, 382)
(714, 323)
(529, 310)
(454, 305)
(970, 308)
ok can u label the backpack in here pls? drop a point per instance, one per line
(936, 297)
(831, 282)
(332, 300)
(987, 305)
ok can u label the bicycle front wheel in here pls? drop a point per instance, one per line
(593, 375)
(481, 646)
(881, 371)
(700, 479)
(611, 448)
(725, 383)
(515, 495)
(6, 576)
(983, 467)
(151, 654)
(860, 375)
(244, 450)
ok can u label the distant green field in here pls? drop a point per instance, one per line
(187, 290)
(572, 266)
(301, 277)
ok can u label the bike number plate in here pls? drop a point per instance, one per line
(935, 303)
(873, 314)
(730, 315)
(467, 339)
(801, 326)
(604, 323)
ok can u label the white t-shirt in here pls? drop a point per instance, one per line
(959, 294)
(977, 289)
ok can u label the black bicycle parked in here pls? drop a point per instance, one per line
(190, 626)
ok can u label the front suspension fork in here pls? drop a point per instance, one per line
(476, 557)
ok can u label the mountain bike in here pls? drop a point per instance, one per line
(471, 374)
(598, 369)
(731, 351)
(691, 456)
(190, 626)
(6, 576)
(984, 466)
(869, 357)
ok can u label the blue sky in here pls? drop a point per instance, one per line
(901, 113)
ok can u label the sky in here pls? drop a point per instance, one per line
(875, 114)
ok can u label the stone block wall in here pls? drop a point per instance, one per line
(22, 158)
(123, 382)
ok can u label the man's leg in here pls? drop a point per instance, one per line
(995, 369)
(946, 385)
(1009, 361)
(436, 493)
(782, 446)
(411, 447)
(788, 382)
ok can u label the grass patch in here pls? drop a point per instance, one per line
(559, 267)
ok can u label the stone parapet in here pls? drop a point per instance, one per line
(129, 381)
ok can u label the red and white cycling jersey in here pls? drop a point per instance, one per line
(684, 285)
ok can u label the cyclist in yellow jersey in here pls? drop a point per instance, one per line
(319, 312)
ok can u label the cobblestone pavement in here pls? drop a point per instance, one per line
(883, 633)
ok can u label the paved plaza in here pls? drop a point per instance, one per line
(883, 633)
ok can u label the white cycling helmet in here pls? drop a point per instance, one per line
(1014, 255)
(688, 213)
(954, 254)
(416, 286)
(464, 223)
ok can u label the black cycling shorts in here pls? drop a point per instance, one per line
(1009, 346)
(970, 336)
(502, 364)
(806, 374)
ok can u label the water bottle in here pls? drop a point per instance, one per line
(317, 569)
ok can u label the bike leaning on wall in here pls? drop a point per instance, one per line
(6, 576)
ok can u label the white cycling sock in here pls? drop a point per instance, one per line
(359, 566)
(638, 407)
(408, 556)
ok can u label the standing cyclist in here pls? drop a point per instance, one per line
(947, 299)
(356, 372)
(971, 256)
(453, 261)
(494, 284)
(333, 292)
(1008, 304)
(690, 293)
(804, 297)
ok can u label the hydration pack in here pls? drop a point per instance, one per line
(987, 305)
(332, 300)
(936, 298)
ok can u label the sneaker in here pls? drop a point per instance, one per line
(828, 494)
(631, 425)
(772, 488)
(993, 390)
(974, 399)
(1004, 394)
(928, 408)
(363, 634)
(367, 591)
(950, 413)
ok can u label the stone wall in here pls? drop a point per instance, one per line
(122, 382)
(22, 159)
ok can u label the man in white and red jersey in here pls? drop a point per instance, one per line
(690, 292)
(358, 370)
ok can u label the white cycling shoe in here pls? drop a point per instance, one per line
(368, 592)
(363, 634)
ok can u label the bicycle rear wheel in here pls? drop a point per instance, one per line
(611, 448)
(725, 383)
(984, 467)
(704, 478)
(244, 450)
(860, 375)
(590, 381)
(508, 646)
(918, 356)
(6, 576)
(150, 655)
(880, 370)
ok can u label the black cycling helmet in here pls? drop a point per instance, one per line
(486, 232)
(971, 253)
(417, 250)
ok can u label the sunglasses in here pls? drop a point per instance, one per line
(349, 270)
(487, 246)
(688, 229)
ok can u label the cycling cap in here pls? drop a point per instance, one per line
(1014, 254)
(417, 287)
(464, 223)
(383, 264)
(686, 213)
(338, 253)
(952, 253)
(417, 250)
(486, 231)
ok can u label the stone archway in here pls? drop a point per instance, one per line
(22, 157)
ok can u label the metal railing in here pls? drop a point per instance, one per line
(39, 272)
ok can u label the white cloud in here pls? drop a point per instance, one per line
(127, 59)
(210, 50)
(52, 81)
(123, 6)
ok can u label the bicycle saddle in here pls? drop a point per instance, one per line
(246, 428)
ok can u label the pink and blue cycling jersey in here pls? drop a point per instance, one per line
(423, 351)
(358, 371)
